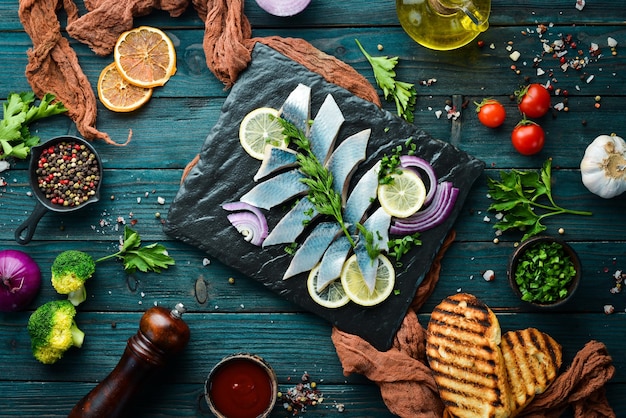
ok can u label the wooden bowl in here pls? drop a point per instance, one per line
(531, 243)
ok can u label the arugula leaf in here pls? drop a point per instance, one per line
(153, 257)
(518, 194)
(404, 94)
(19, 111)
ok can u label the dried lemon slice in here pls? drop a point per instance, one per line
(145, 56)
(119, 95)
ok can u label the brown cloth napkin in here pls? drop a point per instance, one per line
(406, 383)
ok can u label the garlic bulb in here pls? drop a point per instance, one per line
(603, 167)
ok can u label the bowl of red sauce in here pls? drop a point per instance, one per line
(241, 386)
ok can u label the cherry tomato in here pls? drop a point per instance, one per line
(528, 137)
(491, 113)
(533, 100)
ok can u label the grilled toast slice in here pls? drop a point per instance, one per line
(462, 346)
(532, 360)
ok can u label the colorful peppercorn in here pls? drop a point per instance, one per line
(68, 174)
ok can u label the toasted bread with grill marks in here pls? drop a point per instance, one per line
(532, 360)
(462, 347)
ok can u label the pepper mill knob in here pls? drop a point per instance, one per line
(161, 335)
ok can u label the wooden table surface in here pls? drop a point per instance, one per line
(169, 131)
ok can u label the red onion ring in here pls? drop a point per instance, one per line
(437, 212)
(420, 163)
(249, 221)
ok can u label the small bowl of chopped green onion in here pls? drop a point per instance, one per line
(544, 271)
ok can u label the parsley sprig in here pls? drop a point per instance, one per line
(317, 177)
(153, 257)
(525, 199)
(18, 112)
(404, 94)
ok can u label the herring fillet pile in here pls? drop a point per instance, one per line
(327, 243)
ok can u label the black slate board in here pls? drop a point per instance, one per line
(224, 173)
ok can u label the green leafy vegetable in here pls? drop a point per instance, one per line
(19, 111)
(404, 94)
(517, 196)
(544, 272)
(152, 257)
(389, 164)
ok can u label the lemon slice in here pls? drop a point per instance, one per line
(259, 129)
(119, 95)
(356, 288)
(404, 195)
(332, 296)
(145, 56)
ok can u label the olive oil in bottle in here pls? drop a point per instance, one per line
(443, 24)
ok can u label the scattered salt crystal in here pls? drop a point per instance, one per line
(617, 274)
(143, 295)
(540, 71)
(590, 78)
(499, 216)
(514, 55)
(559, 106)
(580, 4)
(594, 47)
(438, 113)
(139, 200)
(206, 262)
(486, 219)
(489, 275)
(609, 309)
(4, 165)
(161, 200)
(29, 193)
(611, 42)
(492, 46)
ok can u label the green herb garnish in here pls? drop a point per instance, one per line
(19, 111)
(389, 164)
(373, 251)
(152, 257)
(317, 177)
(544, 272)
(400, 246)
(517, 196)
(404, 94)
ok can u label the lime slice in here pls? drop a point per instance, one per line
(356, 288)
(259, 129)
(404, 195)
(332, 296)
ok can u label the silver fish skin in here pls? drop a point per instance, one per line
(276, 159)
(276, 190)
(333, 261)
(361, 197)
(290, 226)
(325, 129)
(297, 108)
(378, 224)
(313, 248)
(345, 159)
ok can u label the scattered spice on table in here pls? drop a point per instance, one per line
(301, 396)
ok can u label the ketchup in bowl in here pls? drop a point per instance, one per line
(241, 386)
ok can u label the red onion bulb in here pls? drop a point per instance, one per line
(20, 280)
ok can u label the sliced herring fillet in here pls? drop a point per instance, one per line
(292, 224)
(276, 159)
(313, 248)
(333, 261)
(325, 128)
(297, 108)
(276, 190)
(378, 224)
(361, 197)
(345, 160)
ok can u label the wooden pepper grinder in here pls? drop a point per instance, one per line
(161, 335)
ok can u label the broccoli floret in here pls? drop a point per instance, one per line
(70, 270)
(53, 331)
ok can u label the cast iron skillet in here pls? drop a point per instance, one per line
(25, 232)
